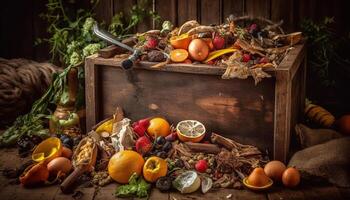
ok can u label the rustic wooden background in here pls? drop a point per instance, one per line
(21, 25)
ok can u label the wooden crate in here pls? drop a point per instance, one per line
(262, 115)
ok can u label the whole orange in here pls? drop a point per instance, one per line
(158, 127)
(198, 50)
(124, 164)
(154, 168)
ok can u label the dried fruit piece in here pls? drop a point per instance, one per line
(178, 55)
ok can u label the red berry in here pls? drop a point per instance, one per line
(246, 57)
(201, 166)
(264, 60)
(139, 130)
(219, 42)
(143, 145)
(151, 43)
(144, 122)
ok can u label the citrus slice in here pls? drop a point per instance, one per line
(178, 55)
(187, 182)
(181, 41)
(190, 131)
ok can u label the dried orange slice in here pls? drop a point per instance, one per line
(190, 131)
(181, 41)
(178, 55)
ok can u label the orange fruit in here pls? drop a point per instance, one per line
(178, 55)
(190, 131)
(181, 41)
(124, 164)
(154, 168)
(198, 50)
(209, 42)
(158, 127)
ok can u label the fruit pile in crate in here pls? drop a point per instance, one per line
(244, 49)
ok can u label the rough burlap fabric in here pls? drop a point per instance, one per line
(22, 81)
(330, 160)
(309, 137)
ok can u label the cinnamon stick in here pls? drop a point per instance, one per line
(203, 148)
(225, 142)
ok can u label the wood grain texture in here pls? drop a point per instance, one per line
(289, 99)
(260, 8)
(123, 6)
(147, 22)
(104, 11)
(283, 10)
(91, 92)
(167, 10)
(210, 12)
(222, 105)
(187, 10)
(235, 7)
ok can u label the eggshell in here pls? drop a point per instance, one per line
(274, 169)
(66, 152)
(59, 164)
(291, 177)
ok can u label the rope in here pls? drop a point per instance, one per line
(22, 81)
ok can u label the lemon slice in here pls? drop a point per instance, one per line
(190, 128)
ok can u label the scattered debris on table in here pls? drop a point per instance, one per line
(150, 153)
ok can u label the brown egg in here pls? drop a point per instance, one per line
(274, 169)
(291, 177)
(258, 178)
(59, 164)
(66, 152)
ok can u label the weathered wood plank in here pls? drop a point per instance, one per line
(104, 11)
(259, 8)
(282, 115)
(283, 10)
(222, 105)
(187, 10)
(210, 12)
(123, 6)
(235, 7)
(220, 194)
(167, 10)
(91, 98)
(147, 22)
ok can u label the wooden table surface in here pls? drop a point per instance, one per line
(9, 158)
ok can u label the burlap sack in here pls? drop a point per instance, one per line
(330, 160)
(309, 137)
